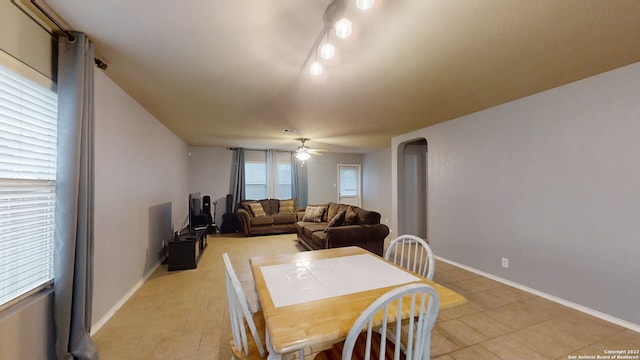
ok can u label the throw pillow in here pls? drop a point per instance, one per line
(350, 216)
(287, 206)
(257, 210)
(337, 220)
(333, 209)
(245, 205)
(314, 213)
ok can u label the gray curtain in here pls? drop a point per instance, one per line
(299, 180)
(73, 254)
(237, 178)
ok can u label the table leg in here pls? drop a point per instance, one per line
(271, 354)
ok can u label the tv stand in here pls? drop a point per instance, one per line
(186, 248)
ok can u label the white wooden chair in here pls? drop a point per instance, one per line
(242, 320)
(366, 341)
(412, 253)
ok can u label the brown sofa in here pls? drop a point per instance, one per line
(341, 225)
(276, 219)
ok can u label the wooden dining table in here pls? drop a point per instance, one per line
(312, 298)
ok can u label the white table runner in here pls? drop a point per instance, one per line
(304, 281)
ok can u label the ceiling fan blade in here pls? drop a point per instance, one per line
(316, 151)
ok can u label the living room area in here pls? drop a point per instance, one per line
(210, 168)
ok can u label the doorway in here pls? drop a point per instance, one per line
(349, 184)
(412, 192)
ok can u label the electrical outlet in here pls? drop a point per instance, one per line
(505, 262)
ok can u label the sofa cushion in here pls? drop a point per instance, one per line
(314, 213)
(287, 206)
(308, 230)
(350, 216)
(367, 217)
(301, 225)
(337, 220)
(270, 206)
(319, 240)
(332, 210)
(257, 209)
(261, 220)
(284, 218)
(245, 205)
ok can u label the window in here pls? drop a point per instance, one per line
(255, 180)
(28, 133)
(255, 168)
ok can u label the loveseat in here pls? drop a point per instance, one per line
(334, 225)
(268, 216)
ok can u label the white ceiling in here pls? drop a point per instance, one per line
(229, 72)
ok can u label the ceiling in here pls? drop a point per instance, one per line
(229, 73)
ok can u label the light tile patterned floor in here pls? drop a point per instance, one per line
(183, 315)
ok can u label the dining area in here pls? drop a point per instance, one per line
(186, 315)
(339, 303)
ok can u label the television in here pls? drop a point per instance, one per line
(197, 219)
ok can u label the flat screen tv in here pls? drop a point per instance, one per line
(197, 220)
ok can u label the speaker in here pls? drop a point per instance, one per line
(206, 207)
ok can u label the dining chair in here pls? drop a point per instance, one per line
(242, 320)
(368, 341)
(412, 253)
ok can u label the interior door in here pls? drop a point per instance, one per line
(349, 184)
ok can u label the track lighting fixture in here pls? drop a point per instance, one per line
(333, 22)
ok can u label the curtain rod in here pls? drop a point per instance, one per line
(51, 18)
(99, 63)
(236, 148)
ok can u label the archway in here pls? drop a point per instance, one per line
(412, 188)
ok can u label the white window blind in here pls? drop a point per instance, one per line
(28, 133)
(255, 168)
(255, 180)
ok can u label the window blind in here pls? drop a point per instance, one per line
(28, 133)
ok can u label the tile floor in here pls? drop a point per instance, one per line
(183, 315)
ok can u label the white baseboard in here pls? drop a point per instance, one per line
(584, 309)
(100, 323)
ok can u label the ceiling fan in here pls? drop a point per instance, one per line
(304, 153)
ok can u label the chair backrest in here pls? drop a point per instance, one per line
(239, 311)
(420, 303)
(412, 253)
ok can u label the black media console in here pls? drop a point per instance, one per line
(184, 251)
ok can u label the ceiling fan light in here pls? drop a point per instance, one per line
(327, 51)
(343, 28)
(303, 155)
(364, 4)
(315, 68)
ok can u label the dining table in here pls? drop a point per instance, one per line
(311, 299)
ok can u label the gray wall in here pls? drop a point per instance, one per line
(210, 174)
(24, 39)
(549, 181)
(322, 171)
(141, 190)
(376, 182)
